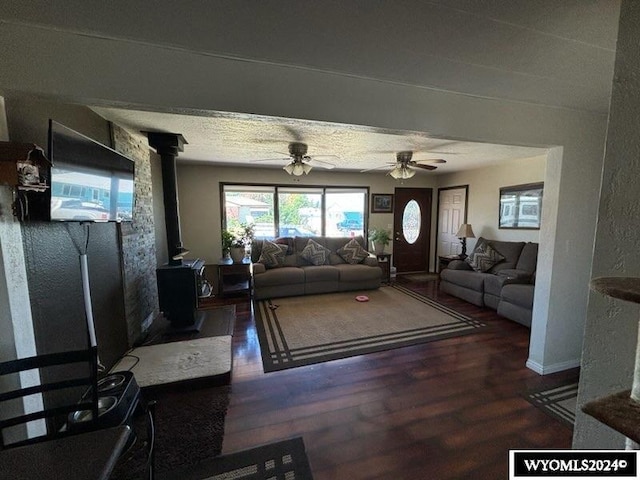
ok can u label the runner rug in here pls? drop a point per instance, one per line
(560, 402)
(297, 331)
(285, 460)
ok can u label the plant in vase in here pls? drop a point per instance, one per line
(237, 250)
(227, 242)
(238, 241)
(379, 238)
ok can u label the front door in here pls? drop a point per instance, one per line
(452, 212)
(411, 229)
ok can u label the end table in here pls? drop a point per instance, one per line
(384, 260)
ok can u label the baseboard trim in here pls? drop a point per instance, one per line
(554, 368)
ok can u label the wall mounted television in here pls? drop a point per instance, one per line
(89, 181)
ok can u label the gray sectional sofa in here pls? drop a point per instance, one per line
(507, 286)
(298, 276)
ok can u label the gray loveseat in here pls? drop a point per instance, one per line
(297, 276)
(507, 286)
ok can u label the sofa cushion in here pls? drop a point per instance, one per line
(279, 276)
(517, 294)
(315, 253)
(464, 278)
(352, 252)
(510, 251)
(528, 258)
(484, 258)
(493, 284)
(272, 255)
(320, 273)
(358, 273)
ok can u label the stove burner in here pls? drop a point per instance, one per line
(110, 382)
(105, 404)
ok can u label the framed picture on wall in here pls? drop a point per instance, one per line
(521, 206)
(381, 203)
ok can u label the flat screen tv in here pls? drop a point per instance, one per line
(89, 181)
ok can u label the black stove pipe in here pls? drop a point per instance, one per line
(168, 145)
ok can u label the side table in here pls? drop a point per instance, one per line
(384, 260)
(234, 278)
(443, 261)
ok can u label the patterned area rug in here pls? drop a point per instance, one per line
(560, 402)
(297, 331)
(286, 460)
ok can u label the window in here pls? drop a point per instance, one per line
(250, 204)
(283, 211)
(299, 212)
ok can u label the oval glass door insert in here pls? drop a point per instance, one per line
(411, 221)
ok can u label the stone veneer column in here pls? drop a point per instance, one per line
(137, 239)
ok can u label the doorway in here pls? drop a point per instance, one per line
(411, 229)
(452, 212)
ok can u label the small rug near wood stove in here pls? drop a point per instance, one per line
(560, 401)
(297, 331)
(285, 460)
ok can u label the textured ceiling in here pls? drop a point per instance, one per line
(237, 139)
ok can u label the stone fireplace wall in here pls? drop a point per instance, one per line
(137, 239)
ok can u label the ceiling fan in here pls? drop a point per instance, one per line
(300, 161)
(404, 167)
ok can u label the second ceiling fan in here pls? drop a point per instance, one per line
(299, 163)
(404, 167)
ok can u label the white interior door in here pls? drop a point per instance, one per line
(452, 206)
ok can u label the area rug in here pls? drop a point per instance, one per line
(189, 428)
(285, 460)
(303, 330)
(560, 401)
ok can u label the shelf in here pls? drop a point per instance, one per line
(619, 412)
(623, 288)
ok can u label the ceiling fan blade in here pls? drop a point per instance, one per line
(432, 160)
(280, 159)
(322, 163)
(375, 168)
(425, 167)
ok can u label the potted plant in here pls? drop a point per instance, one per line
(237, 249)
(379, 238)
(238, 242)
(227, 242)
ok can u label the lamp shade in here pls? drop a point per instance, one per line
(465, 231)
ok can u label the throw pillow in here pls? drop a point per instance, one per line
(315, 253)
(288, 241)
(272, 255)
(484, 258)
(353, 252)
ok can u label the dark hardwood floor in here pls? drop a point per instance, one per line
(448, 409)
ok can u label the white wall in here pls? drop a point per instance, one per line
(612, 325)
(136, 74)
(484, 196)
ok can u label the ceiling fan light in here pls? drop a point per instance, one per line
(396, 173)
(288, 168)
(307, 168)
(408, 173)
